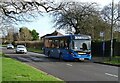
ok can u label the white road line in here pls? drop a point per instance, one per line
(69, 64)
(111, 75)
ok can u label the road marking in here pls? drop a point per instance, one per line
(111, 75)
(69, 64)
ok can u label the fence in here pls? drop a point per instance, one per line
(97, 48)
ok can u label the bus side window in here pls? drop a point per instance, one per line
(49, 44)
(66, 44)
(57, 44)
(61, 44)
(53, 45)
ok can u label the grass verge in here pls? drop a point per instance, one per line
(17, 71)
(37, 50)
(1, 54)
(115, 60)
(3, 45)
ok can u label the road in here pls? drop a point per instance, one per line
(67, 71)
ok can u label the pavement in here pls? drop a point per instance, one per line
(97, 59)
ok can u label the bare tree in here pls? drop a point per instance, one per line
(106, 14)
(19, 10)
(75, 15)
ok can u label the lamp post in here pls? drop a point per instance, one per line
(111, 46)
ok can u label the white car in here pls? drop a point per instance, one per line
(10, 46)
(21, 49)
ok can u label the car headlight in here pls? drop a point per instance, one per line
(17, 49)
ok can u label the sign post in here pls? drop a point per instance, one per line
(111, 46)
(103, 43)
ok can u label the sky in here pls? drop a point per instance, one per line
(44, 25)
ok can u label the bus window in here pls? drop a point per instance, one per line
(61, 44)
(81, 45)
(56, 43)
(66, 44)
(47, 43)
(50, 44)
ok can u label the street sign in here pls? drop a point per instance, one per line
(101, 34)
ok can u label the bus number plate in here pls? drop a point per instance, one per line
(81, 58)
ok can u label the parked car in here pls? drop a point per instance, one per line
(21, 49)
(10, 46)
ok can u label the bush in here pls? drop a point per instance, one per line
(30, 44)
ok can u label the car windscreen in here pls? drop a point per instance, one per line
(20, 47)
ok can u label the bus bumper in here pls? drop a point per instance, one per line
(83, 57)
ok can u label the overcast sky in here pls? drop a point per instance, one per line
(43, 24)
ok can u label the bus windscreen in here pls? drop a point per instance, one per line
(81, 45)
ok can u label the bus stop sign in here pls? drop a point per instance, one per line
(101, 34)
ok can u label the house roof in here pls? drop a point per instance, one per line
(55, 33)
